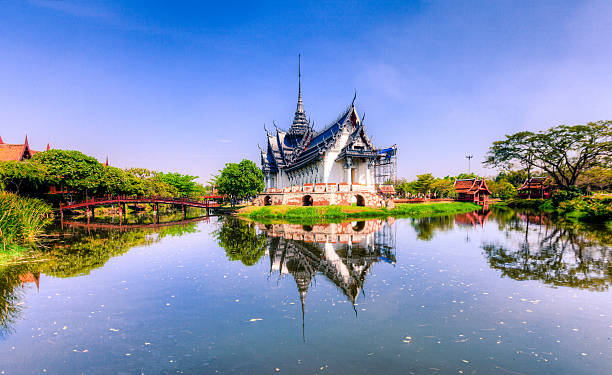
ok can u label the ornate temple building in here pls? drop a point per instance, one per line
(342, 153)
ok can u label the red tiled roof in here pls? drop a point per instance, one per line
(15, 152)
(535, 183)
(11, 152)
(463, 186)
(471, 186)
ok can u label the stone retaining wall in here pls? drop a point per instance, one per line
(341, 194)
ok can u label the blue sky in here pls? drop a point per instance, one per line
(187, 87)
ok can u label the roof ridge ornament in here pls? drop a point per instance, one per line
(354, 97)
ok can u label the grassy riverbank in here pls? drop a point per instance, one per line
(589, 209)
(22, 222)
(317, 213)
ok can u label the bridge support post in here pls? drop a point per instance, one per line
(184, 212)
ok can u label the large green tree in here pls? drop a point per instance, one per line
(563, 152)
(184, 184)
(423, 183)
(73, 169)
(240, 180)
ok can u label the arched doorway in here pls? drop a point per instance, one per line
(360, 200)
(267, 201)
(307, 200)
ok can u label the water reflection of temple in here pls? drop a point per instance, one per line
(343, 253)
(473, 219)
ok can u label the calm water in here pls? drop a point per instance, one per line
(481, 293)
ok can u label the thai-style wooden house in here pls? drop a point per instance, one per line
(535, 187)
(472, 190)
(16, 152)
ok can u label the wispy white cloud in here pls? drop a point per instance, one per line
(77, 9)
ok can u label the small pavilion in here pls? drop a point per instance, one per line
(535, 187)
(472, 190)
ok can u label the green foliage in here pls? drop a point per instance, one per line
(565, 195)
(22, 177)
(466, 176)
(72, 169)
(588, 209)
(184, 184)
(563, 152)
(502, 189)
(114, 181)
(315, 214)
(443, 187)
(596, 178)
(22, 220)
(146, 183)
(241, 241)
(516, 178)
(428, 209)
(240, 181)
(423, 183)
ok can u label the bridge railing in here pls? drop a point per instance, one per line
(152, 199)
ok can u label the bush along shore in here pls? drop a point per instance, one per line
(334, 213)
(22, 222)
(589, 209)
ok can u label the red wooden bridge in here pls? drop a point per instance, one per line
(206, 202)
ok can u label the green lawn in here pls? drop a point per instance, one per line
(318, 213)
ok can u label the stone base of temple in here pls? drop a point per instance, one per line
(341, 194)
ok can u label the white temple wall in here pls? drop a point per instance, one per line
(330, 169)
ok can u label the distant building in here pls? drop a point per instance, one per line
(535, 187)
(472, 190)
(342, 153)
(17, 152)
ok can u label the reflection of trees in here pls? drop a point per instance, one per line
(11, 293)
(75, 253)
(240, 240)
(426, 227)
(560, 255)
(78, 253)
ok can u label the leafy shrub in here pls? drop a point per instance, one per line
(565, 195)
(22, 220)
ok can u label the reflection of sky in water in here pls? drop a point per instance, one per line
(431, 305)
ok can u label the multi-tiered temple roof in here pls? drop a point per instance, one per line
(302, 145)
